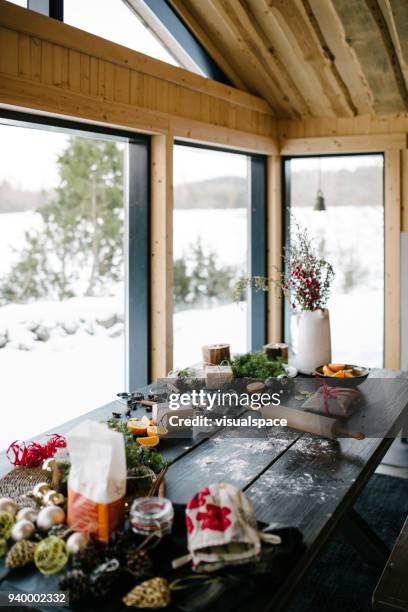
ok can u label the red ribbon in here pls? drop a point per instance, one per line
(329, 392)
(33, 454)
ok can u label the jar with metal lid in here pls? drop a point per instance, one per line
(151, 515)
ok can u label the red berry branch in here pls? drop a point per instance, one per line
(306, 279)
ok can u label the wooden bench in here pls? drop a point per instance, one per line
(391, 593)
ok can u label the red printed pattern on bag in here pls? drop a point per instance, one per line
(215, 518)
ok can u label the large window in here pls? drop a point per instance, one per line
(340, 200)
(212, 250)
(113, 20)
(64, 319)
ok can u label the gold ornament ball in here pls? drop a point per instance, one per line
(28, 514)
(53, 498)
(41, 489)
(22, 530)
(50, 516)
(49, 464)
(77, 541)
(8, 505)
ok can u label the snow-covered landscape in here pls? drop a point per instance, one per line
(63, 359)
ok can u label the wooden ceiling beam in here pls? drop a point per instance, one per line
(366, 32)
(266, 79)
(345, 64)
(202, 35)
(387, 37)
(260, 46)
(294, 19)
(396, 19)
(399, 12)
(286, 46)
(236, 53)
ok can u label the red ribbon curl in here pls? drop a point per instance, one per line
(33, 454)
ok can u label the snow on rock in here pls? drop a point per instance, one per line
(107, 322)
(42, 333)
(3, 341)
(21, 339)
(116, 330)
(70, 327)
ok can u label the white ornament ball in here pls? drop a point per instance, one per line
(50, 516)
(28, 514)
(8, 505)
(22, 530)
(77, 541)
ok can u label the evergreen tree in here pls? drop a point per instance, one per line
(79, 244)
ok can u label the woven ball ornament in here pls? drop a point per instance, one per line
(6, 524)
(3, 547)
(20, 554)
(51, 555)
(153, 593)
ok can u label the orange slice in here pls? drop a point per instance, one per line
(339, 374)
(336, 367)
(137, 427)
(148, 441)
(152, 430)
(327, 371)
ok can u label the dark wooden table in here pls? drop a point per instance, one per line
(292, 478)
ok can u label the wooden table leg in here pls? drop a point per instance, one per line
(365, 541)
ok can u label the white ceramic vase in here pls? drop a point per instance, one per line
(314, 343)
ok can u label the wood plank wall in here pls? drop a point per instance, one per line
(49, 66)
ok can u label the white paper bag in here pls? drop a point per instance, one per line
(97, 479)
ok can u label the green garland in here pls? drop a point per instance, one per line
(137, 456)
(256, 365)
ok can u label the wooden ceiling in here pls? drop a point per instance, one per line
(309, 58)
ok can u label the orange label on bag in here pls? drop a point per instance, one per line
(93, 518)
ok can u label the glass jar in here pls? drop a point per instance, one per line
(151, 515)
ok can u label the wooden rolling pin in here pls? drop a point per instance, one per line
(310, 423)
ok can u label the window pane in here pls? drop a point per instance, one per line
(112, 20)
(211, 195)
(350, 234)
(22, 3)
(61, 277)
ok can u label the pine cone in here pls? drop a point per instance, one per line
(103, 578)
(88, 558)
(118, 544)
(20, 554)
(138, 563)
(76, 583)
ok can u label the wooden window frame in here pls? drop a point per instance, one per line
(137, 233)
(393, 148)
